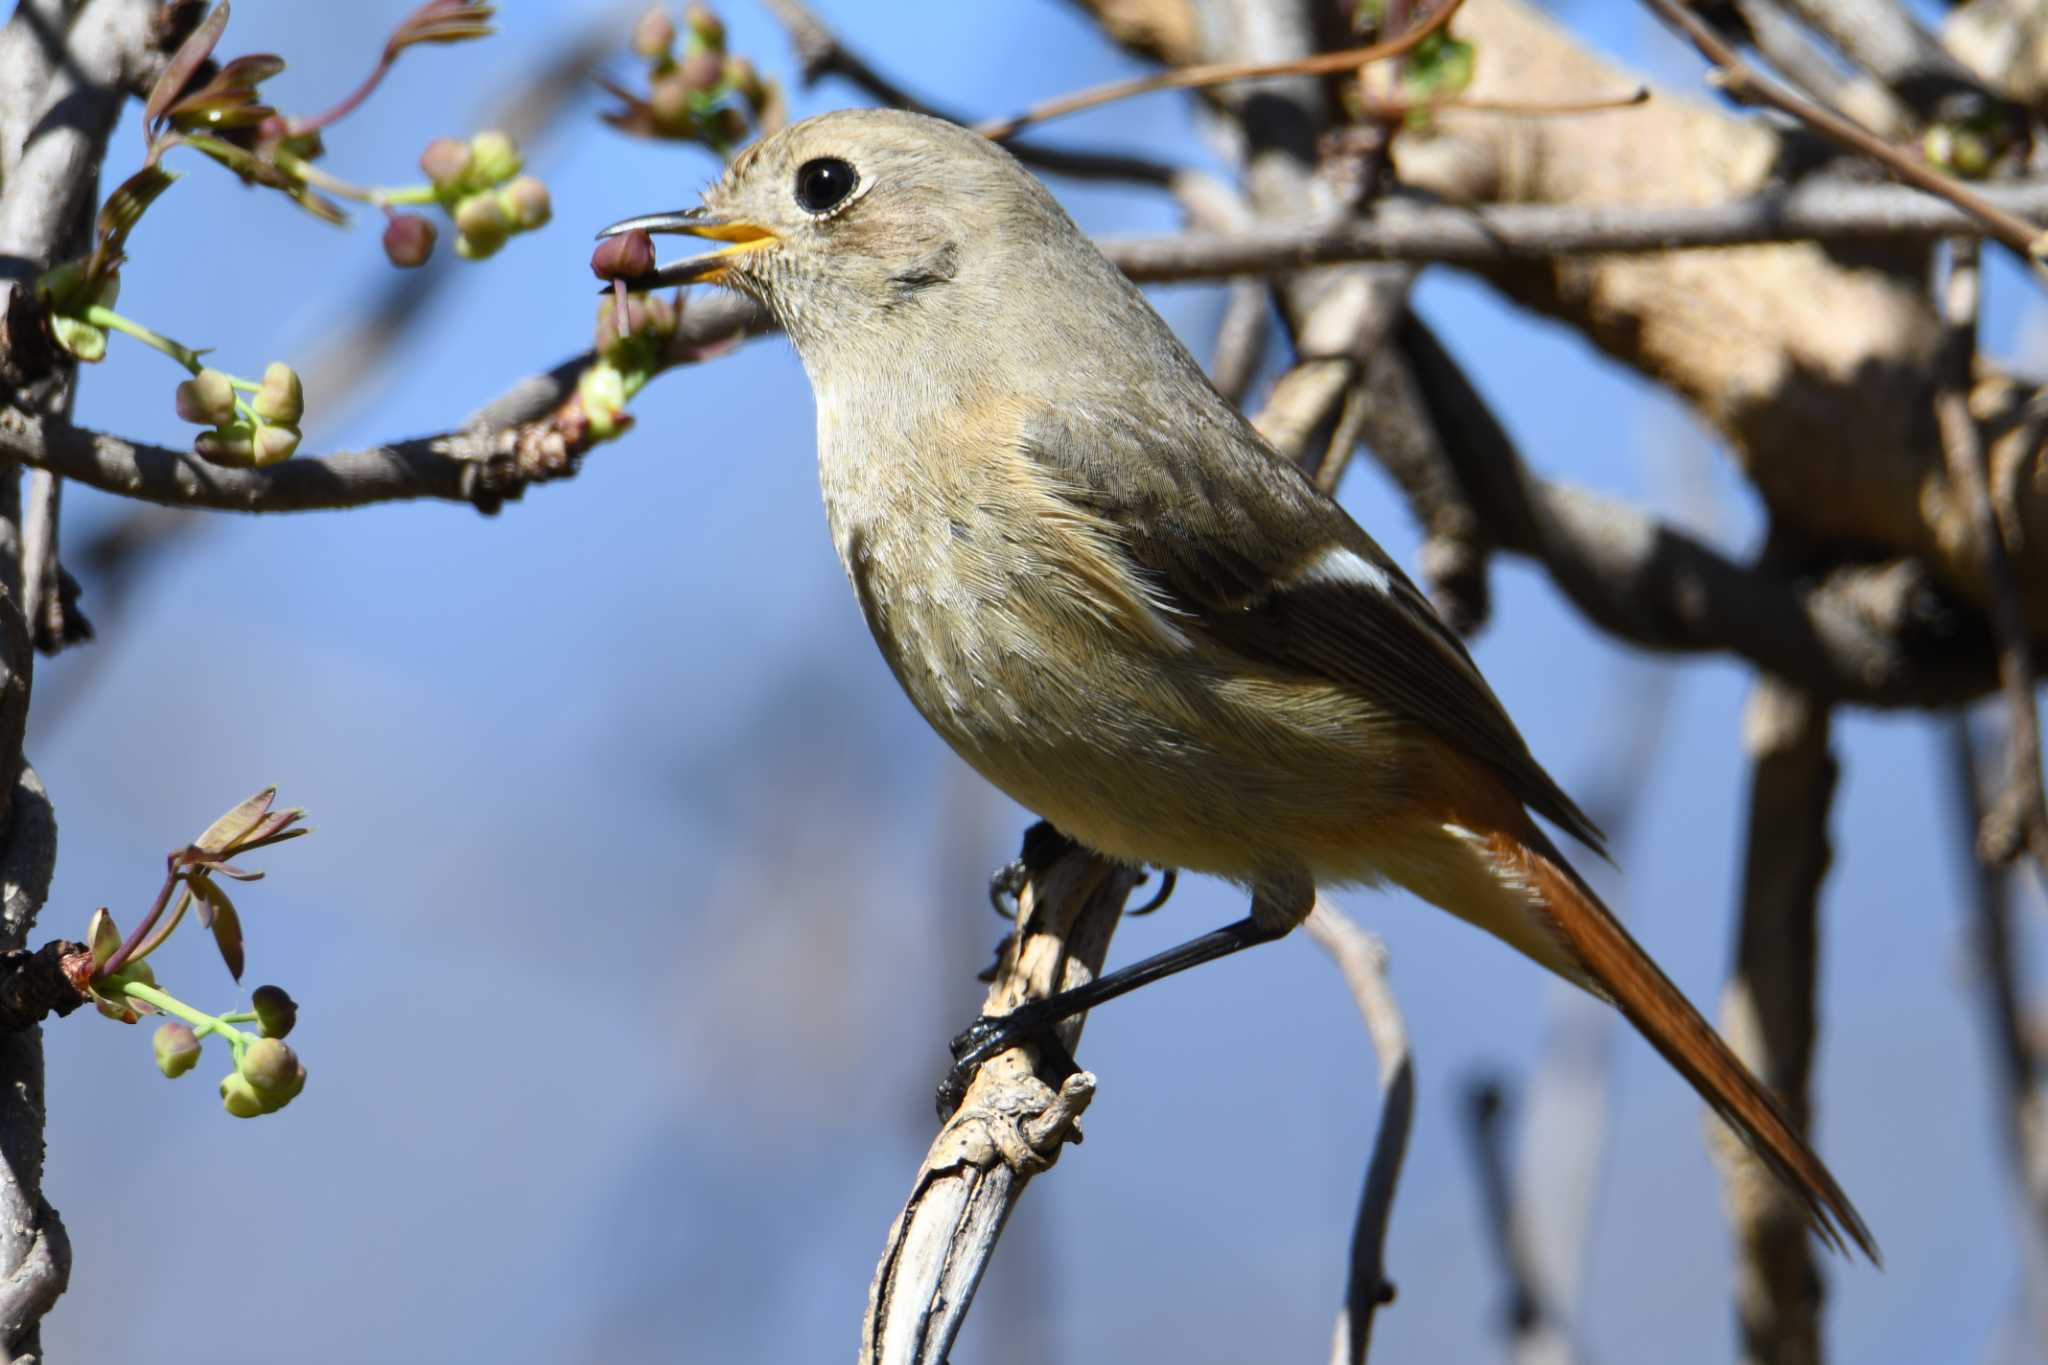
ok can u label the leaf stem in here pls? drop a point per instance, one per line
(202, 1023)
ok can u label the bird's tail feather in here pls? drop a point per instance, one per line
(1508, 878)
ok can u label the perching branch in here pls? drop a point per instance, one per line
(1012, 1123)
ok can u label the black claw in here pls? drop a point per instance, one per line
(1006, 885)
(1169, 877)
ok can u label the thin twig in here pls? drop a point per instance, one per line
(2019, 818)
(1744, 82)
(2018, 1092)
(821, 52)
(1217, 73)
(1363, 960)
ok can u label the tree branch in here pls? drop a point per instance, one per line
(1743, 82)
(1011, 1124)
(1768, 1016)
(1404, 229)
(491, 459)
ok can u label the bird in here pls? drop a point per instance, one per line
(1116, 601)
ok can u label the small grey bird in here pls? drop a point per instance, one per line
(1117, 602)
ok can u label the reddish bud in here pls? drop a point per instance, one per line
(705, 26)
(446, 162)
(409, 240)
(702, 71)
(526, 203)
(654, 34)
(624, 257)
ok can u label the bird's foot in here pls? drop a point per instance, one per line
(996, 1033)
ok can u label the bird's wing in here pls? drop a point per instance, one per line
(1246, 552)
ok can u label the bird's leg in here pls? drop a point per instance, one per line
(1034, 1020)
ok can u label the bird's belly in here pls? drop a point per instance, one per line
(1142, 751)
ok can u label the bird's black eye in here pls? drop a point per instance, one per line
(823, 183)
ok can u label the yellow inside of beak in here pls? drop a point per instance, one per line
(740, 238)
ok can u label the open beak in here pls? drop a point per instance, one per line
(739, 237)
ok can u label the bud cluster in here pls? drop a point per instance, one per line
(261, 431)
(479, 185)
(702, 94)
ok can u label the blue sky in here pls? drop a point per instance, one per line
(641, 904)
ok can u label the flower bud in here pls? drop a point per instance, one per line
(494, 158)
(239, 1098)
(273, 444)
(271, 1068)
(207, 399)
(281, 399)
(654, 34)
(706, 27)
(276, 1012)
(602, 390)
(177, 1049)
(525, 202)
(408, 240)
(624, 257)
(446, 162)
(669, 104)
(480, 226)
(233, 445)
(702, 71)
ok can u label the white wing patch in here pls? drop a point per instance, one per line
(1339, 565)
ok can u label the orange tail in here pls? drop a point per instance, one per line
(1618, 967)
(1483, 859)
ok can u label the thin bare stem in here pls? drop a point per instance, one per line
(1217, 73)
(1362, 958)
(1744, 82)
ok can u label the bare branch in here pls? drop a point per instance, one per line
(491, 459)
(1883, 38)
(1010, 1126)
(1742, 81)
(2018, 1090)
(1363, 960)
(35, 1255)
(1767, 1012)
(820, 53)
(1403, 229)
(2019, 819)
(1531, 1323)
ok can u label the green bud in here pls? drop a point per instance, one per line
(207, 399)
(446, 162)
(276, 1012)
(275, 443)
(525, 201)
(654, 34)
(706, 27)
(281, 399)
(494, 159)
(239, 1098)
(481, 227)
(271, 1068)
(233, 445)
(177, 1049)
(79, 337)
(602, 390)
